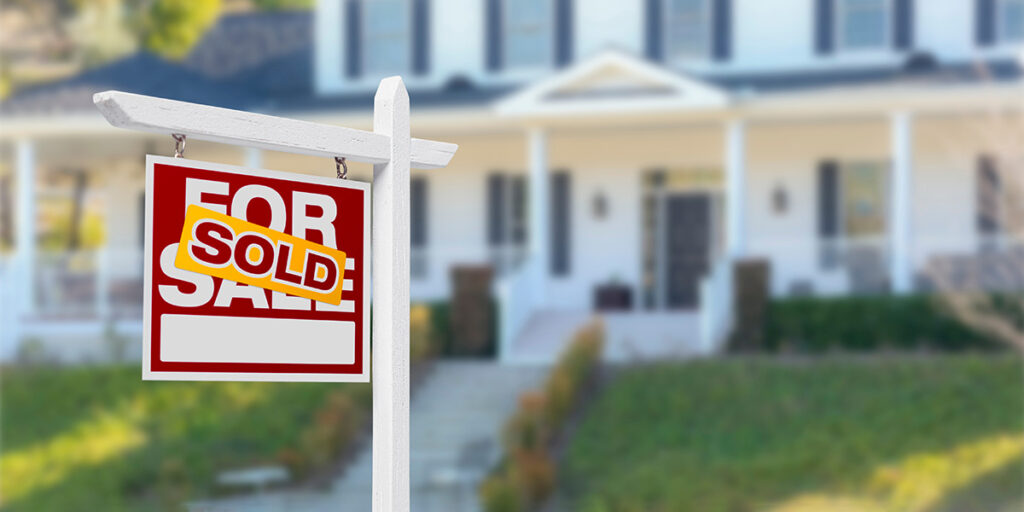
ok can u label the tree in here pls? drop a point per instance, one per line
(986, 291)
(282, 5)
(171, 27)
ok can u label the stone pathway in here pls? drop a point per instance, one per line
(456, 420)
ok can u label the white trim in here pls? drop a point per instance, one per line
(686, 92)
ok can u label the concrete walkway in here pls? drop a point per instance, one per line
(456, 420)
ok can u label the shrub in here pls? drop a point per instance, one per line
(867, 323)
(422, 333)
(334, 426)
(527, 475)
(501, 493)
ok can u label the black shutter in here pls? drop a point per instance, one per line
(985, 22)
(722, 24)
(353, 39)
(903, 24)
(987, 196)
(494, 35)
(563, 32)
(561, 223)
(496, 210)
(828, 199)
(516, 227)
(421, 37)
(418, 211)
(654, 50)
(824, 21)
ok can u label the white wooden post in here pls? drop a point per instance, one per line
(390, 339)
(253, 158)
(902, 174)
(735, 188)
(25, 255)
(539, 218)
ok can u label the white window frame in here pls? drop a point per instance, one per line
(1001, 17)
(666, 38)
(839, 34)
(550, 62)
(365, 38)
(886, 177)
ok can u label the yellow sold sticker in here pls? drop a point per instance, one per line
(219, 245)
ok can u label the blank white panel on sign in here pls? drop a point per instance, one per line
(221, 339)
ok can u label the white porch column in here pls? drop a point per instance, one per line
(25, 249)
(735, 188)
(253, 158)
(539, 202)
(900, 201)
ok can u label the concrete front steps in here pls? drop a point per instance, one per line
(630, 337)
(456, 420)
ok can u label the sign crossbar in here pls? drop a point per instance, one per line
(224, 125)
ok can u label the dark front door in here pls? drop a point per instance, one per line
(687, 244)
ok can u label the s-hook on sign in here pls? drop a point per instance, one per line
(254, 275)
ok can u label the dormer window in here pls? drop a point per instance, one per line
(387, 32)
(529, 33)
(687, 30)
(863, 24)
(1011, 21)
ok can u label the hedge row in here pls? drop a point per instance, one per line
(869, 323)
(526, 476)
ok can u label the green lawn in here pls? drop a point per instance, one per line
(99, 438)
(905, 434)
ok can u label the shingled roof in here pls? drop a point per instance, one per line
(142, 73)
(264, 61)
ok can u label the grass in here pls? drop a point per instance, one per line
(908, 434)
(99, 438)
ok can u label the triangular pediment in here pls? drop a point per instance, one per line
(612, 81)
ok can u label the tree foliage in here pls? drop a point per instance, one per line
(171, 27)
(283, 5)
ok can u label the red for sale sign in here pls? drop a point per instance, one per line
(254, 275)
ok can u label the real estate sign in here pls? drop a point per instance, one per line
(254, 275)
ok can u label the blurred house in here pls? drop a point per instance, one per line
(613, 155)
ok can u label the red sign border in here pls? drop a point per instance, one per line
(262, 372)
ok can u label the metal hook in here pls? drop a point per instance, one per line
(179, 144)
(342, 167)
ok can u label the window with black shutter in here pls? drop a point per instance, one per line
(561, 223)
(419, 220)
(988, 199)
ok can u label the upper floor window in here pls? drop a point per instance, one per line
(863, 24)
(386, 36)
(1010, 19)
(688, 34)
(529, 40)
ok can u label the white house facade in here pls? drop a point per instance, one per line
(615, 157)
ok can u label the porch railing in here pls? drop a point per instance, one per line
(88, 284)
(716, 311)
(518, 293)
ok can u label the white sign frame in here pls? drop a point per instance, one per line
(363, 262)
(392, 151)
